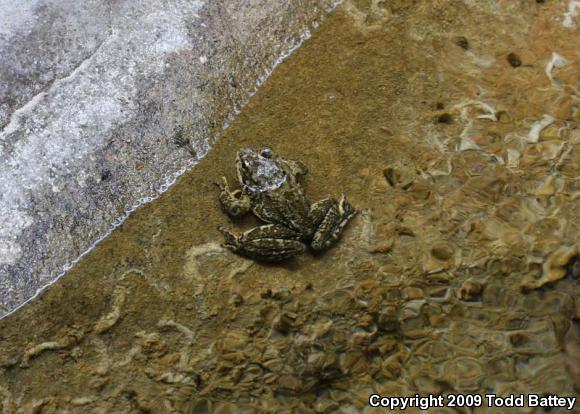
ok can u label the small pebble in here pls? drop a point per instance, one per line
(442, 252)
(462, 42)
(514, 60)
(470, 289)
(445, 118)
(105, 175)
(391, 175)
(236, 299)
(503, 117)
(382, 247)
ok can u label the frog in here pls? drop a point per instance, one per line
(271, 189)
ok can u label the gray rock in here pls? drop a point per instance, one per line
(97, 99)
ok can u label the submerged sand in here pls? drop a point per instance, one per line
(453, 128)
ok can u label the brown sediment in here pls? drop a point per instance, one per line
(465, 197)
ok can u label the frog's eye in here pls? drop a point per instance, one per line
(266, 152)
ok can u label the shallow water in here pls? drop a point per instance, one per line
(459, 275)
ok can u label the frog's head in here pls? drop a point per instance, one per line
(259, 170)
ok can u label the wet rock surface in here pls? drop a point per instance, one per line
(458, 276)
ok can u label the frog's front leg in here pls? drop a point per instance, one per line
(269, 243)
(297, 167)
(329, 218)
(234, 203)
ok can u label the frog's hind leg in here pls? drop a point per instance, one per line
(329, 218)
(269, 243)
(234, 203)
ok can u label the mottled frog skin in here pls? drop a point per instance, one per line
(270, 189)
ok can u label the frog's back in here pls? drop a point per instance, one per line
(286, 205)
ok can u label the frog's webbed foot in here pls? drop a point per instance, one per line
(269, 243)
(234, 203)
(329, 217)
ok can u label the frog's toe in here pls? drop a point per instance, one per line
(230, 239)
(222, 184)
(346, 210)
